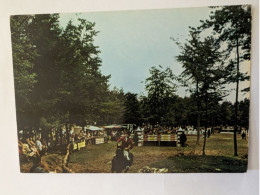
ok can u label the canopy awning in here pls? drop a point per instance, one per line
(94, 128)
(114, 127)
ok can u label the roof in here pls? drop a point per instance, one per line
(94, 128)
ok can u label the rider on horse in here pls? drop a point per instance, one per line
(126, 144)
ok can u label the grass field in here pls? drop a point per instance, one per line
(219, 157)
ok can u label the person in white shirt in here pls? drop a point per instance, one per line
(38, 144)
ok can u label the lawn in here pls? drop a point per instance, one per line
(219, 157)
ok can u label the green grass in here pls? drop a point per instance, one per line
(219, 157)
(201, 164)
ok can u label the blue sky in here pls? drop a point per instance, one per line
(131, 42)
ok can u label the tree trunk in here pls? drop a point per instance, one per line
(206, 126)
(236, 103)
(198, 129)
(212, 122)
(198, 115)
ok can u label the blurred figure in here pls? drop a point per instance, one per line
(183, 139)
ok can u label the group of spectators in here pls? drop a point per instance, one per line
(117, 135)
(32, 143)
(32, 147)
(158, 130)
(82, 136)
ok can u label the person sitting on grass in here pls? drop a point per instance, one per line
(126, 144)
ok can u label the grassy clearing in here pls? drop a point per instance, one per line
(201, 164)
(219, 157)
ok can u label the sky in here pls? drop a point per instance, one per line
(131, 42)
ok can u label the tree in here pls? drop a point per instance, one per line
(243, 114)
(202, 67)
(84, 87)
(191, 60)
(132, 109)
(44, 31)
(184, 110)
(226, 109)
(113, 107)
(160, 88)
(24, 54)
(212, 73)
(57, 72)
(232, 24)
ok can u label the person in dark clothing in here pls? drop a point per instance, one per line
(208, 133)
(183, 139)
(243, 134)
(135, 139)
(37, 166)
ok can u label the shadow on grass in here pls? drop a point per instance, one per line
(202, 164)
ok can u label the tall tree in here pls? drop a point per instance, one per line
(57, 72)
(232, 25)
(160, 88)
(192, 62)
(24, 54)
(44, 32)
(200, 59)
(84, 87)
(212, 73)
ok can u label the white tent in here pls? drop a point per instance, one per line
(94, 128)
(114, 127)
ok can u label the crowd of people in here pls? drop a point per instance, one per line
(32, 147)
(35, 144)
(163, 130)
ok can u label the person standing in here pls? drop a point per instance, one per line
(40, 148)
(243, 134)
(135, 139)
(183, 139)
(208, 132)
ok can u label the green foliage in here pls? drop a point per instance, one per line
(58, 79)
(113, 109)
(24, 53)
(203, 71)
(57, 75)
(160, 88)
(84, 87)
(132, 109)
(232, 23)
(232, 26)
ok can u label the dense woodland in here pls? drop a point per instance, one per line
(58, 79)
